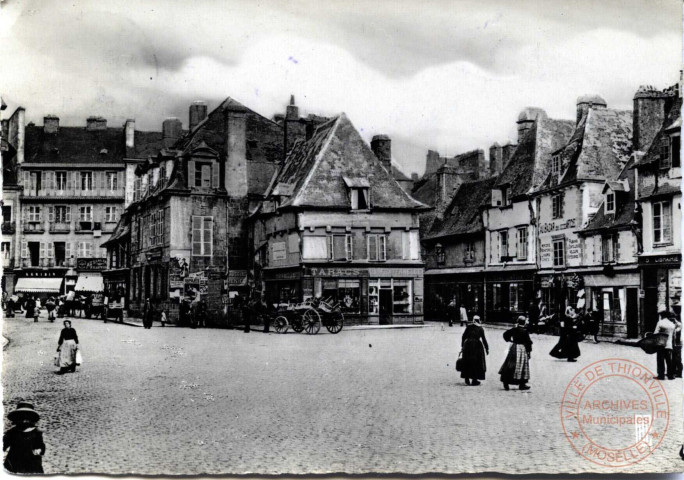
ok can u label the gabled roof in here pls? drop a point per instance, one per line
(463, 215)
(529, 164)
(599, 148)
(316, 169)
(624, 204)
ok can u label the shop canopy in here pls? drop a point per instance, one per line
(38, 285)
(87, 283)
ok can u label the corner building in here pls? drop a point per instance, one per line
(336, 224)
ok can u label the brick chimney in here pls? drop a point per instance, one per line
(649, 114)
(587, 102)
(198, 112)
(51, 124)
(508, 150)
(527, 119)
(96, 123)
(495, 159)
(129, 130)
(382, 148)
(171, 131)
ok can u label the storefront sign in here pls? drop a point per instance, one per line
(296, 275)
(335, 272)
(91, 263)
(545, 252)
(175, 284)
(395, 272)
(278, 251)
(153, 255)
(554, 227)
(573, 249)
(661, 259)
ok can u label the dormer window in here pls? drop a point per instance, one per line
(359, 193)
(504, 196)
(439, 251)
(610, 202)
(556, 165)
(359, 198)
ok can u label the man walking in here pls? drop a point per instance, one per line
(664, 355)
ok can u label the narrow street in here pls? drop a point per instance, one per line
(180, 401)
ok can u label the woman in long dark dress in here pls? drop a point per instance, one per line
(24, 441)
(567, 346)
(67, 347)
(516, 368)
(474, 346)
(30, 306)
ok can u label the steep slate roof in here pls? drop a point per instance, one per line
(599, 148)
(462, 215)
(624, 206)
(529, 164)
(314, 170)
(146, 144)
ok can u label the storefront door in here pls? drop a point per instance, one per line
(385, 305)
(632, 312)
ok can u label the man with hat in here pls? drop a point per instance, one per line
(24, 441)
(664, 355)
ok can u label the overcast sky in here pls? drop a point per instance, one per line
(447, 75)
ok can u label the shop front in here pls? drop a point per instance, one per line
(661, 284)
(508, 294)
(615, 295)
(40, 284)
(466, 286)
(366, 295)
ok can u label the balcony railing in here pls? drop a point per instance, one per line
(88, 226)
(33, 227)
(60, 227)
(8, 227)
(48, 263)
(72, 192)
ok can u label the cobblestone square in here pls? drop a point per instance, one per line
(181, 401)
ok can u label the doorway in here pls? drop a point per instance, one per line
(385, 305)
(632, 312)
(60, 254)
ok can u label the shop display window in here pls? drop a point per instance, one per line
(402, 297)
(346, 292)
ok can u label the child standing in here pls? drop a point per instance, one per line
(24, 441)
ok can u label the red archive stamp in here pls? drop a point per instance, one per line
(614, 413)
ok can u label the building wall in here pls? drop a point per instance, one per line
(592, 249)
(664, 249)
(455, 252)
(508, 218)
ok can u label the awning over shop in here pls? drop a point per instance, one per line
(87, 283)
(237, 278)
(38, 285)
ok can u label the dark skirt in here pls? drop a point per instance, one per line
(566, 347)
(474, 362)
(516, 368)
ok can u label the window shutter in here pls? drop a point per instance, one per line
(24, 249)
(40, 213)
(51, 250)
(215, 175)
(68, 213)
(27, 180)
(191, 173)
(51, 214)
(562, 205)
(103, 180)
(67, 252)
(43, 251)
(405, 245)
(24, 214)
(383, 247)
(76, 179)
(89, 250)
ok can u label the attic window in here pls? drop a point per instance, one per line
(359, 193)
(610, 202)
(504, 196)
(104, 151)
(360, 198)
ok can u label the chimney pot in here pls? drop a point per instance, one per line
(129, 130)
(51, 124)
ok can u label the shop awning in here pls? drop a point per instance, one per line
(38, 285)
(87, 283)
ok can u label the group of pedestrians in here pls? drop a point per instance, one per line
(474, 349)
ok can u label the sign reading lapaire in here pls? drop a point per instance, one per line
(660, 259)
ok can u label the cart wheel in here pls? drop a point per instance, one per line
(297, 324)
(280, 324)
(312, 321)
(335, 322)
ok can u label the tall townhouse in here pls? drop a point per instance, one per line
(609, 256)
(569, 197)
(657, 140)
(335, 224)
(510, 218)
(454, 252)
(72, 181)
